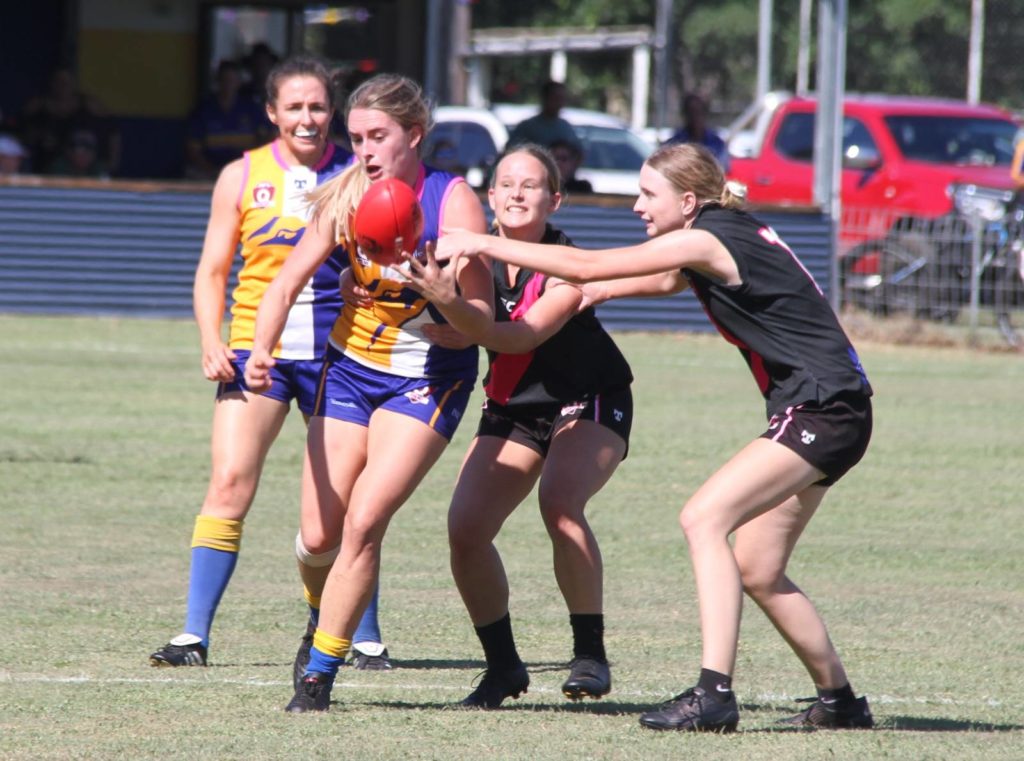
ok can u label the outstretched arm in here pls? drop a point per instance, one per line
(654, 286)
(462, 291)
(671, 251)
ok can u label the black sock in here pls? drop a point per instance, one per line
(842, 696)
(499, 645)
(588, 636)
(713, 683)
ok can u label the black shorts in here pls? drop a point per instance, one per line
(832, 437)
(534, 426)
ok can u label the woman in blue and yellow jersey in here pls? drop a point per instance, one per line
(259, 202)
(389, 400)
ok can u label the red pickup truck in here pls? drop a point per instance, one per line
(911, 166)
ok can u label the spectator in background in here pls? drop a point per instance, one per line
(12, 155)
(695, 130)
(258, 63)
(52, 118)
(548, 126)
(568, 156)
(81, 157)
(223, 126)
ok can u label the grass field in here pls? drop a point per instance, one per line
(916, 560)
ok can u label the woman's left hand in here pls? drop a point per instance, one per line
(446, 336)
(434, 282)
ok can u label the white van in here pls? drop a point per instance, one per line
(469, 140)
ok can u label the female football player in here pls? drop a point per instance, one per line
(764, 302)
(384, 384)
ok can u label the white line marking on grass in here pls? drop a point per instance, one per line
(389, 684)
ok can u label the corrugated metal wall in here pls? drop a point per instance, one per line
(133, 252)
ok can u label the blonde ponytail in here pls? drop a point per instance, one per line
(734, 195)
(337, 199)
(692, 168)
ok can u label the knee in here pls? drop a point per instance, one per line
(230, 486)
(759, 580)
(466, 536)
(462, 540)
(562, 512)
(694, 522)
(315, 552)
(363, 531)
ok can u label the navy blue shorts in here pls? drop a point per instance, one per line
(832, 437)
(296, 379)
(534, 426)
(351, 391)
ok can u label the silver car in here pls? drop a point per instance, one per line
(469, 140)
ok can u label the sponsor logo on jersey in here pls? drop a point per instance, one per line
(263, 195)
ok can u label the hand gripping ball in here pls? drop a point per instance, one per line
(389, 210)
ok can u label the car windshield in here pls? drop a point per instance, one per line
(611, 148)
(954, 140)
(458, 146)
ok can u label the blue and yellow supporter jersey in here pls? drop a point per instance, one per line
(388, 335)
(274, 215)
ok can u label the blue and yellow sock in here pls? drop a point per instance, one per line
(215, 543)
(327, 654)
(369, 627)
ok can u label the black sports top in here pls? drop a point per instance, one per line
(580, 360)
(778, 317)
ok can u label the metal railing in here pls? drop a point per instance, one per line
(962, 269)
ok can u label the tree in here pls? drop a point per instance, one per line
(893, 46)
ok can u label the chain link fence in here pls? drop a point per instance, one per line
(963, 270)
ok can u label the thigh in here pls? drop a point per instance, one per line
(766, 542)
(760, 477)
(582, 457)
(245, 426)
(400, 450)
(496, 476)
(335, 456)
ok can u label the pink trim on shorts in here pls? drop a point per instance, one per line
(785, 423)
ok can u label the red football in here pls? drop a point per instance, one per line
(389, 210)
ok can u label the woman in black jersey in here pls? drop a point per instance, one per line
(764, 302)
(558, 410)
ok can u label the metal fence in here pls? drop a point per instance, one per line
(121, 250)
(960, 269)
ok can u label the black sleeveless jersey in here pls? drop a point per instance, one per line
(578, 361)
(778, 317)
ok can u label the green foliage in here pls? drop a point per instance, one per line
(915, 559)
(915, 47)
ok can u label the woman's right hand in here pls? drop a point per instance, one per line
(217, 358)
(352, 292)
(455, 243)
(257, 370)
